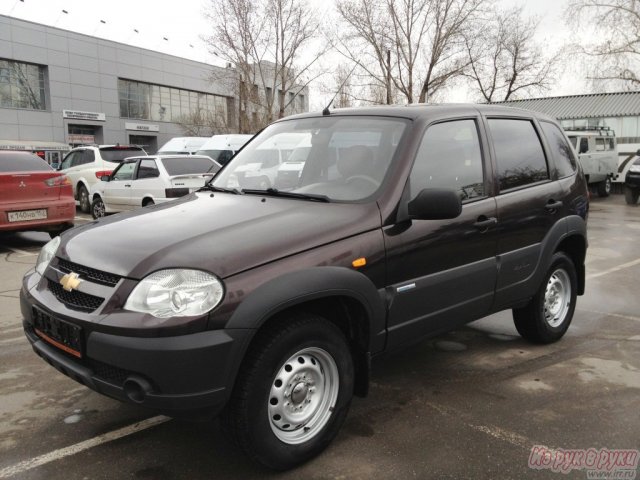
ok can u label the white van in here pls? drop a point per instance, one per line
(222, 147)
(598, 154)
(183, 145)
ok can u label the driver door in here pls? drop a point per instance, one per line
(118, 191)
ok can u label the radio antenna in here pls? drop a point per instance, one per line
(326, 109)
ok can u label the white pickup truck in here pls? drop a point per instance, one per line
(598, 153)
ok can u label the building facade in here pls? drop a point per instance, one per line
(60, 89)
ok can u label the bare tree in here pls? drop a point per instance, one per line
(615, 59)
(204, 123)
(504, 58)
(263, 41)
(416, 45)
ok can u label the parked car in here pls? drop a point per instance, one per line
(85, 165)
(598, 154)
(222, 147)
(33, 196)
(632, 183)
(143, 181)
(182, 146)
(268, 305)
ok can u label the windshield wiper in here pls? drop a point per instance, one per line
(274, 192)
(213, 188)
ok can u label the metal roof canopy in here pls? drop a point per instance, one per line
(33, 145)
(594, 105)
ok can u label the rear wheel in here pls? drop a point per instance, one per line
(631, 195)
(604, 188)
(292, 393)
(97, 208)
(549, 313)
(83, 198)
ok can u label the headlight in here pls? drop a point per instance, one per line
(176, 293)
(46, 254)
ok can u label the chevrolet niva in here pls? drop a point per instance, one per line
(266, 303)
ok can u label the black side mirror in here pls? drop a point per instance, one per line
(105, 178)
(435, 204)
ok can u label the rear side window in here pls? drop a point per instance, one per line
(117, 154)
(562, 154)
(148, 169)
(450, 157)
(22, 162)
(189, 165)
(87, 157)
(519, 155)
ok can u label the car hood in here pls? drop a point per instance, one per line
(221, 233)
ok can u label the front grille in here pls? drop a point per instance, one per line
(91, 274)
(74, 299)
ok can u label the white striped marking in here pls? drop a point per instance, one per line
(22, 253)
(614, 269)
(40, 460)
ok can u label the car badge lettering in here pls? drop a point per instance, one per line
(71, 281)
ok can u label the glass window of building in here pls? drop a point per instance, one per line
(21, 85)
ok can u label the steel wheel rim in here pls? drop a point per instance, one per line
(607, 185)
(84, 198)
(98, 209)
(303, 395)
(557, 298)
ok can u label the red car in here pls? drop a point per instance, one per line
(33, 196)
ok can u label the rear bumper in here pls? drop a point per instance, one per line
(60, 213)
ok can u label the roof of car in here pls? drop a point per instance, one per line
(422, 110)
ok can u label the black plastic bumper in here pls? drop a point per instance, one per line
(176, 375)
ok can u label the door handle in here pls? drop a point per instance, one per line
(127, 184)
(485, 222)
(553, 205)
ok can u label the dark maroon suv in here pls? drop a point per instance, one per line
(265, 300)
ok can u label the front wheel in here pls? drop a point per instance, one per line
(546, 318)
(604, 188)
(293, 392)
(97, 208)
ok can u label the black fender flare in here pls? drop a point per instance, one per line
(295, 288)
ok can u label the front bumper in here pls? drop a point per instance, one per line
(177, 375)
(632, 180)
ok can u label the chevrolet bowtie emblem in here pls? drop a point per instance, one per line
(70, 281)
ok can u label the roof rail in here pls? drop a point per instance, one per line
(605, 131)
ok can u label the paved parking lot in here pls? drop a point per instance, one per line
(469, 404)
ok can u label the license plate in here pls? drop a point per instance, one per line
(63, 335)
(26, 215)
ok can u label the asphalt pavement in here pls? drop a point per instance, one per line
(468, 404)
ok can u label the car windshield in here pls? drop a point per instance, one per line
(340, 158)
(117, 154)
(189, 165)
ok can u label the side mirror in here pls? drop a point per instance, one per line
(105, 178)
(435, 204)
(638, 152)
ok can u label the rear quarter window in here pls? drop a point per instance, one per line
(519, 155)
(565, 163)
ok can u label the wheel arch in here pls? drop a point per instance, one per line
(344, 297)
(575, 246)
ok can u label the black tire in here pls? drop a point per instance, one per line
(604, 188)
(533, 321)
(97, 208)
(631, 195)
(83, 198)
(248, 418)
(54, 233)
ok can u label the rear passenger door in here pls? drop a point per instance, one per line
(442, 273)
(529, 203)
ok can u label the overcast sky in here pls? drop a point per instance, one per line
(182, 23)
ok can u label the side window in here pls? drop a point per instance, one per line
(124, 171)
(562, 154)
(519, 155)
(87, 157)
(600, 144)
(450, 157)
(224, 157)
(148, 169)
(584, 145)
(68, 161)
